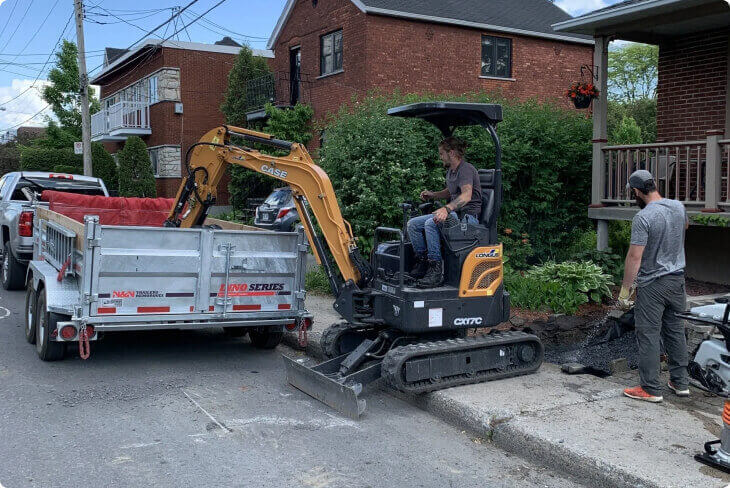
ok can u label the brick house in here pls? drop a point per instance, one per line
(334, 49)
(691, 155)
(168, 93)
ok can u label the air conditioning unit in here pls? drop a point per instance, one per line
(178, 107)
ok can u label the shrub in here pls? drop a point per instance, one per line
(104, 167)
(45, 158)
(619, 236)
(376, 161)
(136, 178)
(627, 132)
(62, 168)
(562, 287)
(610, 262)
(517, 249)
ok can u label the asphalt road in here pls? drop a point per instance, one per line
(200, 409)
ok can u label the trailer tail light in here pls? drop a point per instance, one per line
(307, 323)
(283, 212)
(25, 224)
(291, 326)
(68, 332)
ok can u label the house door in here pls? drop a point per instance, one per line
(295, 65)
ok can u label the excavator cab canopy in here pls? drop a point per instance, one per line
(447, 116)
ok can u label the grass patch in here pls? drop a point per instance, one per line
(316, 281)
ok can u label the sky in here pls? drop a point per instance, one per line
(30, 31)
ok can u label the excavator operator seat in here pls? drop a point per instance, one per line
(486, 179)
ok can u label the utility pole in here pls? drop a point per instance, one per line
(84, 85)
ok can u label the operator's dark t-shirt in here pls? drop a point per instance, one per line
(465, 174)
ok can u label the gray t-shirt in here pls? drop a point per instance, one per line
(465, 174)
(660, 228)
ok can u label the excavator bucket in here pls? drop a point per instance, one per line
(325, 383)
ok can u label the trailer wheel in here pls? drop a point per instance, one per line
(266, 338)
(48, 350)
(30, 299)
(235, 331)
(13, 271)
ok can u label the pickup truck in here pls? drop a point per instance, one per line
(18, 192)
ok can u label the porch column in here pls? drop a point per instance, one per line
(600, 133)
(713, 171)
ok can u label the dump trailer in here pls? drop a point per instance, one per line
(87, 279)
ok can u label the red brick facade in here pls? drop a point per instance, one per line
(692, 87)
(387, 53)
(203, 82)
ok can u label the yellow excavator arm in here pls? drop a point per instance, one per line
(208, 159)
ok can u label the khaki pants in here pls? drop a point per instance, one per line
(657, 305)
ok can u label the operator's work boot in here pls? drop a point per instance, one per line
(419, 269)
(434, 276)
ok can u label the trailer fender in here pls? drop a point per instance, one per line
(62, 296)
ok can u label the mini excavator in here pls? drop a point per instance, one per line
(415, 339)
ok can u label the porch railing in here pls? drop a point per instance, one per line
(121, 115)
(693, 172)
(278, 88)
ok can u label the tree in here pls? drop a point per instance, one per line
(643, 111)
(63, 94)
(104, 167)
(632, 72)
(628, 132)
(136, 178)
(246, 67)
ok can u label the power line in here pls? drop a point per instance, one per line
(208, 21)
(30, 4)
(196, 19)
(26, 120)
(9, 17)
(40, 27)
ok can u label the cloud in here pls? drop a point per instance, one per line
(580, 7)
(27, 104)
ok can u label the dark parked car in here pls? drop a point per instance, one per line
(277, 212)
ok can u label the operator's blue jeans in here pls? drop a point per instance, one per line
(425, 234)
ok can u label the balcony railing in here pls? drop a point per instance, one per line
(693, 172)
(279, 89)
(120, 121)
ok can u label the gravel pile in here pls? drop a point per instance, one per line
(598, 356)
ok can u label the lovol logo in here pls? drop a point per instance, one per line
(493, 253)
(273, 171)
(468, 321)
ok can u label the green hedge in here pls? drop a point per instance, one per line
(376, 161)
(45, 159)
(136, 178)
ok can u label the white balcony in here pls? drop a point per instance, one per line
(121, 120)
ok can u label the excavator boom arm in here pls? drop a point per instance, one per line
(208, 159)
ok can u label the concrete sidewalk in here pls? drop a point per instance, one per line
(579, 425)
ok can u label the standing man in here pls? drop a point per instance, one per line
(656, 260)
(463, 190)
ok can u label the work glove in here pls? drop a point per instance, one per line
(624, 298)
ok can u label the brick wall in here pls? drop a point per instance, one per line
(386, 53)
(425, 57)
(691, 93)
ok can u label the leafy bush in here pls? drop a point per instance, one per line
(610, 262)
(136, 178)
(627, 132)
(517, 249)
(376, 161)
(619, 236)
(642, 110)
(316, 281)
(104, 167)
(45, 159)
(562, 287)
(710, 219)
(62, 168)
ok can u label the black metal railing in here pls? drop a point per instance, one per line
(280, 89)
(260, 91)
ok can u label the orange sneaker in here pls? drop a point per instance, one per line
(638, 393)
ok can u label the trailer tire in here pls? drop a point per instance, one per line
(235, 331)
(48, 350)
(30, 315)
(266, 338)
(13, 271)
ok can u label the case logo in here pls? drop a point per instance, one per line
(468, 321)
(273, 171)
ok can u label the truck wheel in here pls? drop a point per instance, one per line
(48, 350)
(235, 331)
(30, 299)
(13, 274)
(266, 338)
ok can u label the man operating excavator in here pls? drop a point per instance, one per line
(465, 201)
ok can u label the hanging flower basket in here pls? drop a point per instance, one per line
(582, 94)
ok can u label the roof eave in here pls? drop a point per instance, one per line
(580, 24)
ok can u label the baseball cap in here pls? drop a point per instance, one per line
(640, 178)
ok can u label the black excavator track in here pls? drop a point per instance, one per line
(429, 366)
(343, 337)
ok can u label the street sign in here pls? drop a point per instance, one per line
(78, 148)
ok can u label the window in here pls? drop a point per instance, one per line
(154, 160)
(330, 58)
(496, 57)
(152, 90)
